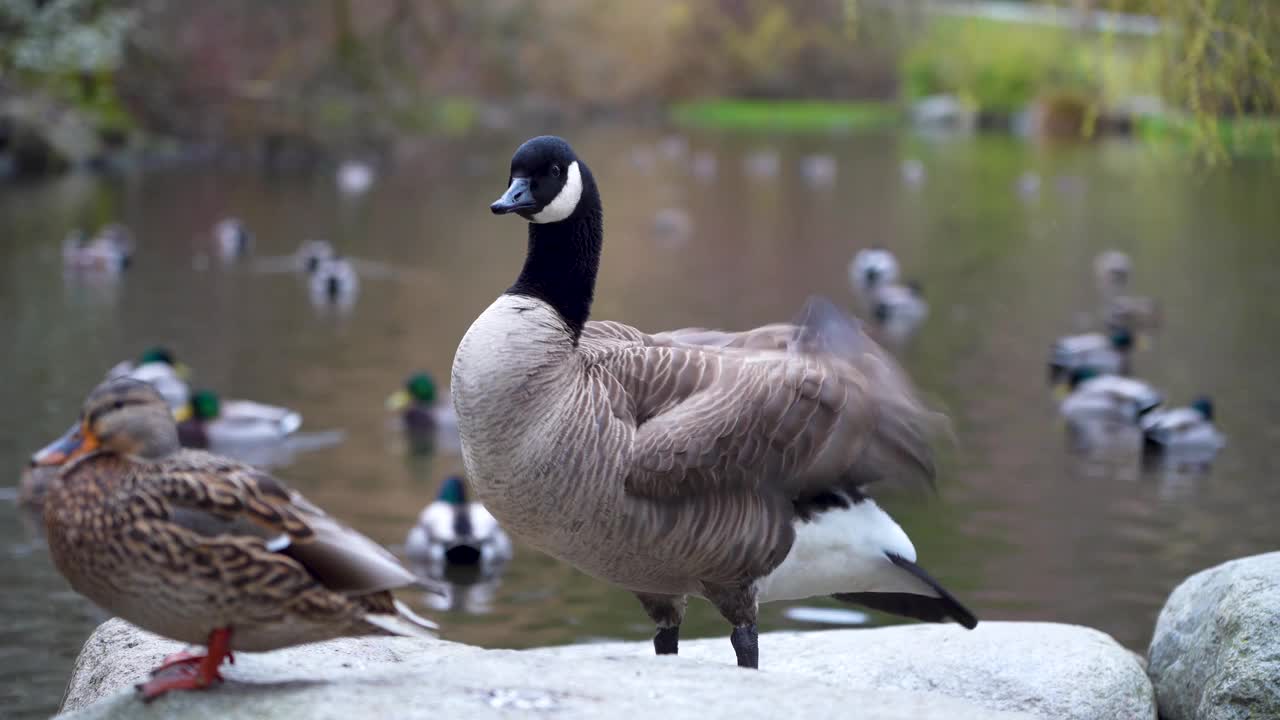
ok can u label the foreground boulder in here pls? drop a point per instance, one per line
(1215, 654)
(1001, 671)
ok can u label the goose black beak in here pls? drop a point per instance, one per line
(517, 197)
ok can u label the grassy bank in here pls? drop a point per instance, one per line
(786, 115)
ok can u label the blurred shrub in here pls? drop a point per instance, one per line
(997, 66)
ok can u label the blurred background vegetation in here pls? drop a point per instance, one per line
(292, 79)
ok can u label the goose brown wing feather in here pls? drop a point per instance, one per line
(211, 495)
(799, 408)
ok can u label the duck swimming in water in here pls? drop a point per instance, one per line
(454, 532)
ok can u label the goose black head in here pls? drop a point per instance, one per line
(545, 184)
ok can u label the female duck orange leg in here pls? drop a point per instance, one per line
(185, 671)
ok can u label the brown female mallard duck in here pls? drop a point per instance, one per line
(203, 549)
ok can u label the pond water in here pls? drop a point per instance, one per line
(1021, 529)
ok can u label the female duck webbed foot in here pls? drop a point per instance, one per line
(189, 671)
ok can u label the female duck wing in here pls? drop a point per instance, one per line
(207, 493)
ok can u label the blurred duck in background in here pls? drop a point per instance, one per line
(1101, 353)
(426, 417)
(420, 406)
(1097, 396)
(899, 309)
(158, 367)
(871, 269)
(208, 421)
(1103, 414)
(819, 170)
(232, 239)
(454, 533)
(1185, 431)
(1113, 271)
(354, 177)
(672, 226)
(111, 250)
(334, 281)
(306, 259)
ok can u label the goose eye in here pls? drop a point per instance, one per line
(555, 171)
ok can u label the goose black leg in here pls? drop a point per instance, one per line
(666, 611)
(738, 605)
(746, 644)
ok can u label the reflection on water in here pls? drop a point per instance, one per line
(1023, 529)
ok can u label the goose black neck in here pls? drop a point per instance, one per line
(564, 258)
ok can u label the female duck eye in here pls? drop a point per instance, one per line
(117, 404)
(555, 171)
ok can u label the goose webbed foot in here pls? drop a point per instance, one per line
(667, 612)
(737, 604)
(667, 641)
(746, 644)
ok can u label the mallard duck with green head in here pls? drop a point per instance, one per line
(207, 420)
(159, 367)
(420, 406)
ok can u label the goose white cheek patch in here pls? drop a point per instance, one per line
(566, 201)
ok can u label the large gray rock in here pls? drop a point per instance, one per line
(931, 672)
(1044, 669)
(1215, 654)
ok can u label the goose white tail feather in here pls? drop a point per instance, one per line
(844, 551)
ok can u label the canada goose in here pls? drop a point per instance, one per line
(1186, 429)
(207, 420)
(871, 268)
(1100, 396)
(232, 239)
(354, 177)
(818, 170)
(454, 532)
(334, 281)
(729, 466)
(203, 549)
(1105, 354)
(158, 366)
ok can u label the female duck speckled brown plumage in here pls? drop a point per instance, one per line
(203, 549)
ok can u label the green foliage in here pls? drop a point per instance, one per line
(999, 67)
(790, 115)
(62, 36)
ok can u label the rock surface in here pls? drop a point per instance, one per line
(1215, 654)
(1000, 671)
